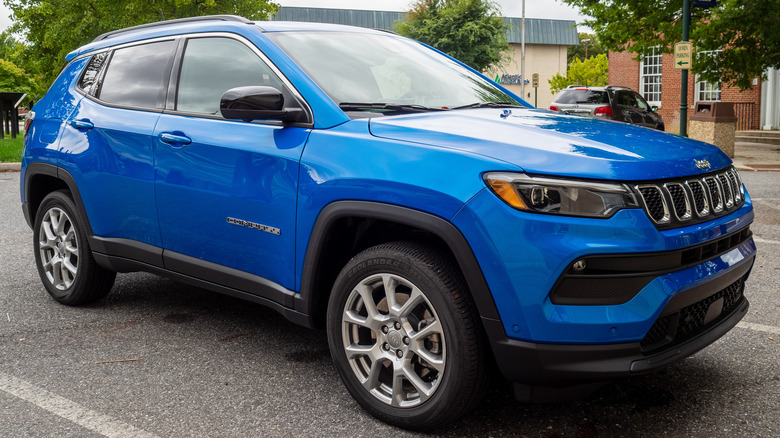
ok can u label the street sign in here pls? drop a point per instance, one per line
(535, 79)
(683, 55)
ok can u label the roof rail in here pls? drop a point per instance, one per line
(576, 86)
(117, 32)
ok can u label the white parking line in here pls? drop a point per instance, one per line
(760, 240)
(759, 327)
(70, 410)
(770, 202)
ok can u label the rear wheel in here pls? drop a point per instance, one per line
(404, 335)
(62, 255)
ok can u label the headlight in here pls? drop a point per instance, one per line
(560, 196)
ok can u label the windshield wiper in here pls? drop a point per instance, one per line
(386, 107)
(489, 105)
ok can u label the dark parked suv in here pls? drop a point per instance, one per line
(432, 222)
(615, 103)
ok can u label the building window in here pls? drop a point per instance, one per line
(707, 91)
(650, 76)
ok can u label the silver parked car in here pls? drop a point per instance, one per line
(616, 103)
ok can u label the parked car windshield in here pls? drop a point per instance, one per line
(582, 97)
(358, 68)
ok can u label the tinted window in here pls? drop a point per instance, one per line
(90, 76)
(582, 96)
(634, 100)
(137, 75)
(212, 66)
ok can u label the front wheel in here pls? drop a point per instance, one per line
(62, 254)
(403, 332)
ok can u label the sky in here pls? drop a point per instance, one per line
(511, 8)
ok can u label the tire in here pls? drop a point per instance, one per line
(416, 366)
(62, 254)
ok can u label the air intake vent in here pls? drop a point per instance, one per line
(678, 203)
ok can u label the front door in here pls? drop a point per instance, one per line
(226, 189)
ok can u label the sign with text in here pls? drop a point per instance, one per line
(535, 79)
(683, 55)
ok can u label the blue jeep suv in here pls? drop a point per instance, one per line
(435, 224)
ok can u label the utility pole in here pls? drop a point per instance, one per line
(686, 16)
(522, 54)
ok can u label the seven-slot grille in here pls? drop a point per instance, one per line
(686, 201)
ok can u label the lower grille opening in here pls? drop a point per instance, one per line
(674, 328)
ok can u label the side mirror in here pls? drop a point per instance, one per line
(252, 103)
(653, 108)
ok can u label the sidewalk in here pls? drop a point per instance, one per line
(756, 156)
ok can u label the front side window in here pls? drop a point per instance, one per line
(214, 65)
(137, 75)
(369, 68)
(650, 76)
(633, 100)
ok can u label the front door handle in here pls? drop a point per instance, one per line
(83, 124)
(174, 139)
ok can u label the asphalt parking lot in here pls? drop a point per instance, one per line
(161, 359)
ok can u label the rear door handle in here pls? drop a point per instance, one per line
(174, 139)
(82, 124)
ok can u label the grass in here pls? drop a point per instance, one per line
(11, 149)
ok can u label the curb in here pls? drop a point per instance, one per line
(10, 167)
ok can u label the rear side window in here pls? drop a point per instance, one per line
(212, 66)
(137, 76)
(582, 96)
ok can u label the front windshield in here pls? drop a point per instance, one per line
(354, 67)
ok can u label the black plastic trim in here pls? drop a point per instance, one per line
(305, 302)
(127, 265)
(127, 248)
(228, 277)
(633, 272)
(35, 169)
(568, 364)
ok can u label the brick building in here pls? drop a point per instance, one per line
(659, 82)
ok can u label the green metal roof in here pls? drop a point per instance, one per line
(537, 31)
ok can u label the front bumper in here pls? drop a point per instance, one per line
(689, 322)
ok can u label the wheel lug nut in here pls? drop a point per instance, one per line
(399, 353)
(397, 325)
(406, 340)
(386, 346)
(385, 329)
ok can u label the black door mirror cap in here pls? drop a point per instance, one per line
(253, 103)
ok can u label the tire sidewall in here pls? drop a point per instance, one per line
(365, 265)
(62, 201)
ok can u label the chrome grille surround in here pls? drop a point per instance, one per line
(686, 201)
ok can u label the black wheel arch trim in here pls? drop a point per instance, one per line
(48, 169)
(306, 301)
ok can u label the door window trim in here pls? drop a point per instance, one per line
(173, 83)
(175, 38)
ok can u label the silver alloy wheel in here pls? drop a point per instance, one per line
(59, 248)
(393, 340)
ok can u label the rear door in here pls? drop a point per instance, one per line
(107, 140)
(226, 189)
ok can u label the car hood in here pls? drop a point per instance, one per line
(544, 142)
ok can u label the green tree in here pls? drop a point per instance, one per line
(590, 72)
(588, 47)
(745, 30)
(472, 31)
(52, 28)
(13, 78)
